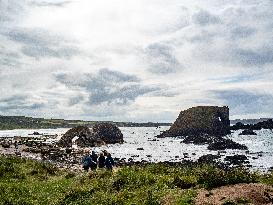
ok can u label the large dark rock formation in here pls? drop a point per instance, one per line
(107, 132)
(99, 134)
(204, 125)
(82, 132)
(211, 120)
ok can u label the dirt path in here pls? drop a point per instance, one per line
(257, 194)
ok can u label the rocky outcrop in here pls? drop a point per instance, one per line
(211, 120)
(107, 132)
(222, 144)
(204, 125)
(81, 133)
(236, 159)
(247, 132)
(208, 159)
(268, 124)
(100, 133)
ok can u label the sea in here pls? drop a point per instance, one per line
(141, 144)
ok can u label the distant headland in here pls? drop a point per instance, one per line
(23, 122)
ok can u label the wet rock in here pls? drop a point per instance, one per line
(209, 158)
(211, 120)
(198, 140)
(152, 140)
(247, 132)
(236, 159)
(260, 154)
(222, 144)
(140, 148)
(238, 126)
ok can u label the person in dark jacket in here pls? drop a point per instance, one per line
(109, 162)
(101, 160)
(86, 161)
(94, 158)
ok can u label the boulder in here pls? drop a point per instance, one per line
(211, 120)
(99, 134)
(107, 132)
(236, 159)
(247, 132)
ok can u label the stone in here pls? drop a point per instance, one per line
(209, 158)
(80, 132)
(211, 120)
(247, 132)
(236, 159)
(99, 134)
(140, 148)
(222, 144)
(107, 132)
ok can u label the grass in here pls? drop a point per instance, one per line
(25, 181)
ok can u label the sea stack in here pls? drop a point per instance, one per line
(100, 133)
(200, 120)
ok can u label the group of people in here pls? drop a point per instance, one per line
(93, 161)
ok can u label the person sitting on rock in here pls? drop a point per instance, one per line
(109, 162)
(101, 160)
(94, 158)
(86, 161)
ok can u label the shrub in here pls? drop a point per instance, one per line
(212, 177)
(184, 182)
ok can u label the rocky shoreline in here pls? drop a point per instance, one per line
(71, 158)
(203, 125)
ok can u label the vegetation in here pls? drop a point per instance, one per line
(237, 202)
(22, 122)
(25, 181)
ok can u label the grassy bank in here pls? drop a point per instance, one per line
(30, 182)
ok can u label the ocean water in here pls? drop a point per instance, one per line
(141, 144)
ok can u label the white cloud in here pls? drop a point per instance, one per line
(177, 54)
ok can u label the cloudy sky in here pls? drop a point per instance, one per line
(135, 60)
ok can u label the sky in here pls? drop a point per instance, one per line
(135, 60)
